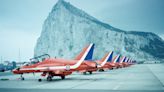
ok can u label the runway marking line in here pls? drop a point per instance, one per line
(117, 86)
(155, 76)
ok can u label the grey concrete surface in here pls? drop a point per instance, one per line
(143, 77)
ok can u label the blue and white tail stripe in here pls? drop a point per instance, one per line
(129, 60)
(123, 59)
(90, 53)
(89, 50)
(109, 55)
(117, 59)
(126, 60)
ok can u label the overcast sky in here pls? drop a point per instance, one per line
(21, 20)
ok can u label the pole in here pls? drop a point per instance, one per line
(19, 56)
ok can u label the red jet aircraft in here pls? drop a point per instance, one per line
(58, 67)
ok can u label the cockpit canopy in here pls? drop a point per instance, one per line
(38, 59)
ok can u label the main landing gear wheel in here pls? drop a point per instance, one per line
(22, 78)
(62, 77)
(101, 70)
(49, 78)
(90, 72)
(39, 80)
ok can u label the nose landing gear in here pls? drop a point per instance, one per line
(21, 77)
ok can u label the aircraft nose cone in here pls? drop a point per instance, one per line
(16, 71)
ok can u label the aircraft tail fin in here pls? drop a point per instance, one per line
(122, 59)
(130, 61)
(89, 53)
(116, 59)
(127, 59)
(84, 55)
(107, 57)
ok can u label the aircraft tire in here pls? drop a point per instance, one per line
(101, 70)
(62, 77)
(22, 78)
(90, 72)
(39, 80)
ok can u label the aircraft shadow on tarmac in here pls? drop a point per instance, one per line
(56, 79)
(75, 77)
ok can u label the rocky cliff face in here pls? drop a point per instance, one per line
(68, 29)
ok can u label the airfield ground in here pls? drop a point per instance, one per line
(137, 78)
